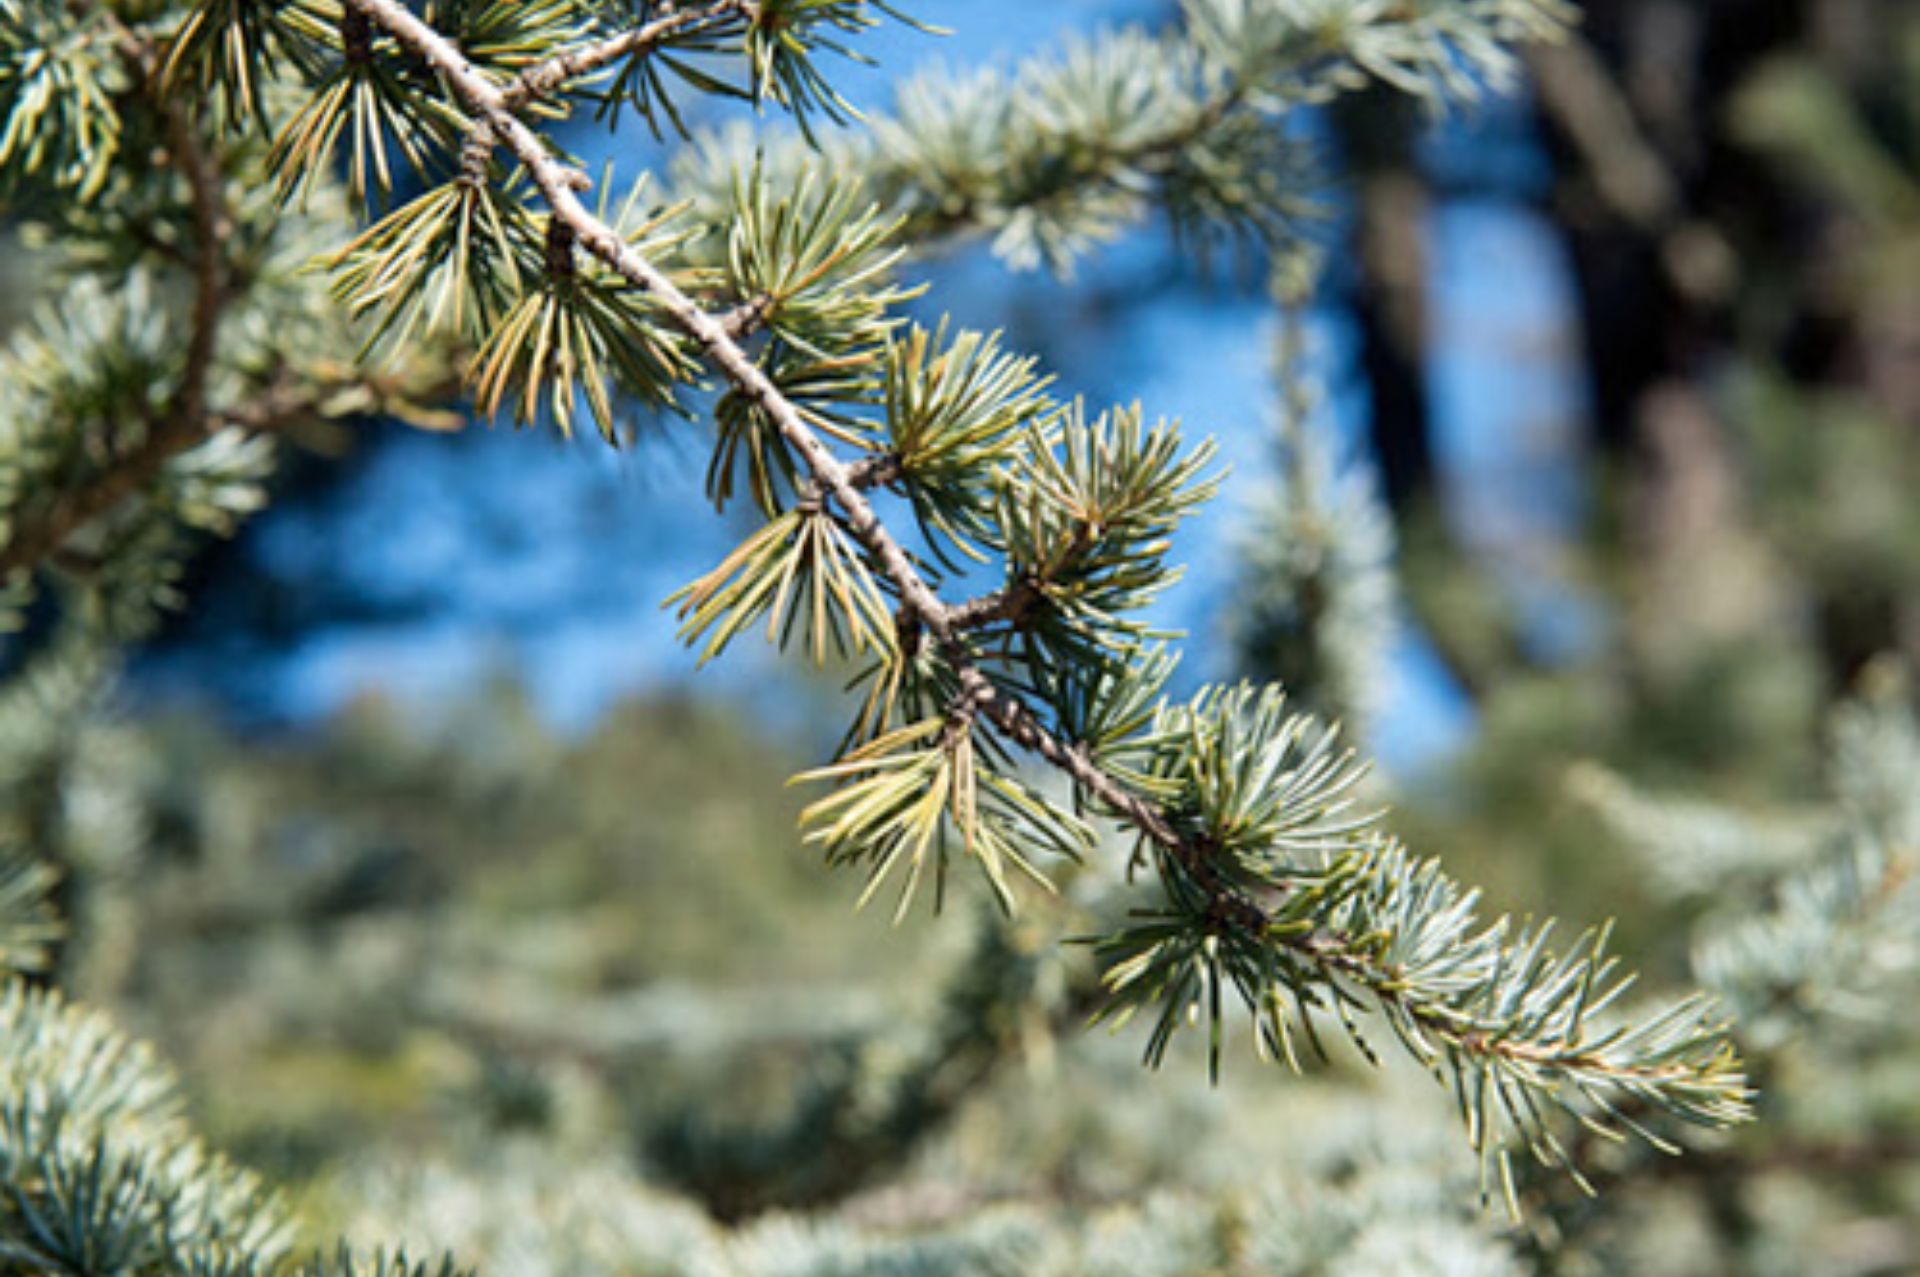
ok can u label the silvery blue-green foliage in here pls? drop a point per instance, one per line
(126, 434)
(862, 1115)
(93, 373)
(1696, 849)
(44, 704)
(1842, 938)
(99, 1169)
(528, 1212)
(28, 923)
(136, 408)
(1875, 756)
(1396, 1221)
(131, 420)
(1819, 924)
(1321, 605)
(68, 814)
(1367, 1186)
(1812, 945)
(776, 300)
(1065, 151)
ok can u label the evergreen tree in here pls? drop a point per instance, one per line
(266, 217)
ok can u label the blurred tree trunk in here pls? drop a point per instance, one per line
(1387, 287)
(1675, 228)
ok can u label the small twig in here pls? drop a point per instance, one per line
(1016, 602)
(545, 78)
(212, 227)
(37, 541)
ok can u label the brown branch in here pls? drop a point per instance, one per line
(356, 38)
(544, 78)
(559, 259)
(211, 230)
(747, 318)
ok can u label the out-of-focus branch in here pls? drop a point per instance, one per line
(186, 423)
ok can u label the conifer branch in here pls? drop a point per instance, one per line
(1151, 154)
(1067, 149)
(1014, 718)
(560, 185)
(130, 475)
(583, 60)
(187, 423)
(1505, 1017)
